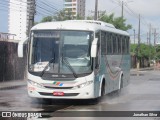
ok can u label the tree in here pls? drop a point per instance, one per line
(47, 19)
(133, 48)
(118, 22)
(62, 15)
(35, 23)
(145, 51)
(66, 15)
(157, 55)
(90, 17)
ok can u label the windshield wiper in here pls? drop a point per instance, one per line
(50, 61)
(69, 66)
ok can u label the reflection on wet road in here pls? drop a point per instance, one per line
(17, 99)
(142, 94)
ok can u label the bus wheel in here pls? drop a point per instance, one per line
(121, 85)
(103, 89)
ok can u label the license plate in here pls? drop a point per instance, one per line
(58, 93)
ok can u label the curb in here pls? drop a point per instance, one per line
(11, 87)
(12, 84)
(142, 69)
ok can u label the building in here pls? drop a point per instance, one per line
(19, 13)
(77, 7)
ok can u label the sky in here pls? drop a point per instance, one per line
(148, 9)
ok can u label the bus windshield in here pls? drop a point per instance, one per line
(61, 46)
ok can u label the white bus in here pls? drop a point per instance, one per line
(76, 59)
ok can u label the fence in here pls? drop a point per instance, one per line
(11, 67)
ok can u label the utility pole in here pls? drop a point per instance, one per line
(139, 28)
(100, 14)
(155, 36)
(147, 38)
(134, 35)
(31, 9)
(138, 47)
(122, 9)
(150, 27)
(96, 10)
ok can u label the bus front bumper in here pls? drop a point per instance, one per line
(86, 92)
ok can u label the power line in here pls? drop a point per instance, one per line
(22, 7)
(53, 4)
(49, 6)
(135, 14)
(50, 12)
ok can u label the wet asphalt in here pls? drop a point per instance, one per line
(142, 94)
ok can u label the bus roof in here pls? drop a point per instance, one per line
(87, 25)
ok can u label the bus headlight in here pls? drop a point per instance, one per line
(83, 84)
(35, 84)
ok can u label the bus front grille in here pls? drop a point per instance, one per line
(65, 94)
(50, 87)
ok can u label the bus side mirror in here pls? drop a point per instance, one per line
(20, 47)
(94, 48)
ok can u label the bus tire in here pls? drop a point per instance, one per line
(121, 86)
(103, 88)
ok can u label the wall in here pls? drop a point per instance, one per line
(11, 67)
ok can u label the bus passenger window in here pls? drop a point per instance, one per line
(109, 43)
(114, 44)
(103, 43)
(97, 59)
(119, 44)
(123, 45)
(127, 45)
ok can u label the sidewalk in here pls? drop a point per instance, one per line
(12, 84)
(142, 69)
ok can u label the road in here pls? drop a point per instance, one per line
(142, 94)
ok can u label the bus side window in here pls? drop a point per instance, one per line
(123, 45)
(114, 44)
(119, 44)
(103, 43)
(97, 59)
(121, 39)
(109, 43)
(127, 45)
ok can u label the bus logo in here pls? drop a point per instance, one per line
(58, 84)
